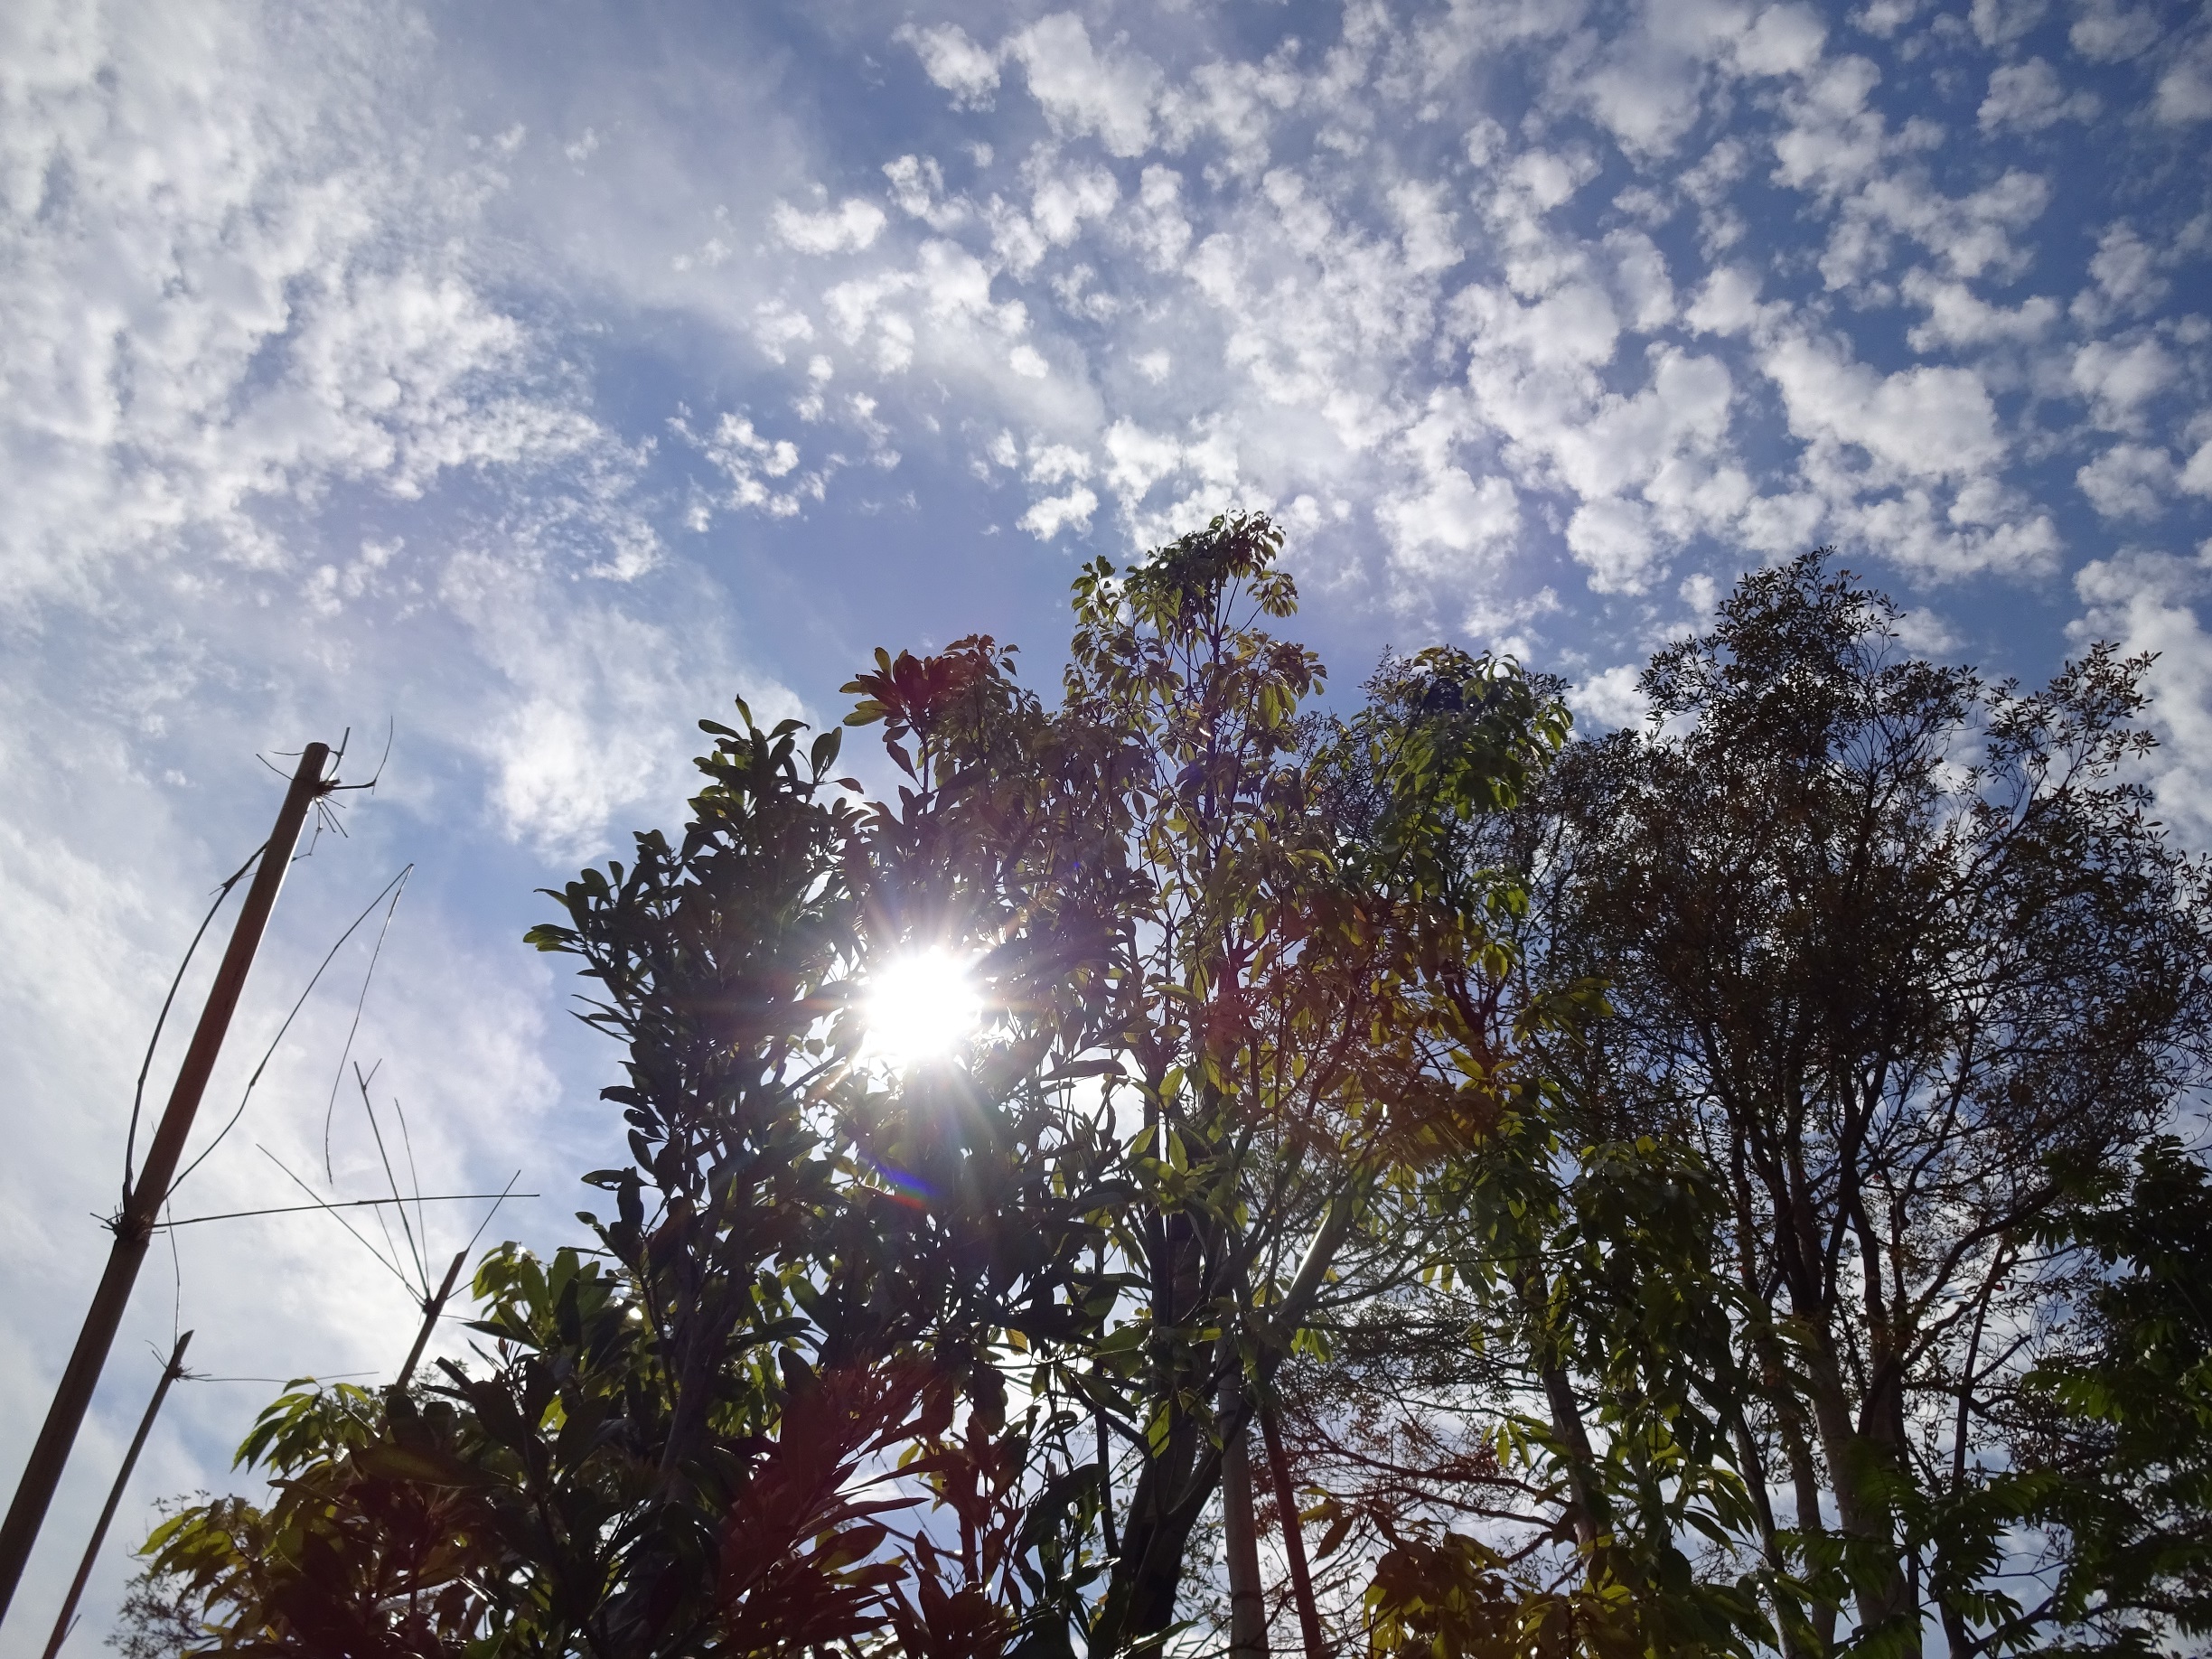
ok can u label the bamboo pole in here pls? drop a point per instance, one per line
(431, 1309)
(66, 1617)
(142, 1203)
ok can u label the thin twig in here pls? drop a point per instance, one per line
(422, 1221)
(359, 1002)
(392, 1181)
(130, 1141)
(274, 1040)
(342, 1204)
(320, 1204)
(495, 1208)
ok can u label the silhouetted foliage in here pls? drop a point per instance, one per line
(1709, 1190)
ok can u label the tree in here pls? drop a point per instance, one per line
(1894, 948)
(2115, 1427)
(1263, 1042)
(1555, 1374)
(658, 1454)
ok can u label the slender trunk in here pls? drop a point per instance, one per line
(1247, 1599)
(1587, 1509)
(1774, 1377)
(144, 1197)
(1106, 1495)
(66, 1620)
(1797, 1453)
(1140, 1593)
(1857, 1470)
(432, 1309)
(1770, 1543)
(1294, 1532)
(1172, 1487)
(1805, 1480)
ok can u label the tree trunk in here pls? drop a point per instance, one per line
(1140, 1592)
(1294, 1534)
(1804, 1478)
(1247, 1597)
(1857, 1464)
(1587, 1509)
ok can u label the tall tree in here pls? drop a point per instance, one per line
(1264, 1042)
(1895, 949)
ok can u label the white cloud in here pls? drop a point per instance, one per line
(1650, 87)
(2118, 379)
(598, 712)
(2147, 601)
(1884, 18)
(1069, 197)
(778, 327)
(1449, 515)
(1640, 279)
(1137, 459)
(1503, 625)
(1930, 493)
(1235, 103)
(1918, 423)
(1613, 538)
(1158, 224)
(2128, 481)
(853, 224)
(1427, 226)
(1997, 22)
(755, 466)
(1839, 149)
(1612, 698)
(954, 62)
(2185, 90)
(1958, 317)
(918, 187)
(2125, 268)
(1047, 518)
(1727, 305)
(2108, 32)
(1925, 632)
(1082, 93)
(213, 317)
(1052, 463)
(2196, 476)
(2028, 96)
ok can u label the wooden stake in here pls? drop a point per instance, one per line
(141, 1205)
(68, 1615)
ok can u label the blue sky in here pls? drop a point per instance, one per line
(537, 378)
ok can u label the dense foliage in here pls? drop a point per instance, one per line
(1418, 1184)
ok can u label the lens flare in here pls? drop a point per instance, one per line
(921, 1007)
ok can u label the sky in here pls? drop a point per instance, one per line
(512, 386)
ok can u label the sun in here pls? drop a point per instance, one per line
(922, 1006)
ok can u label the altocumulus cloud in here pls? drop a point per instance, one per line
(358, 364)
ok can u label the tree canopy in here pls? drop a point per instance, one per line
(1417, 1182)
